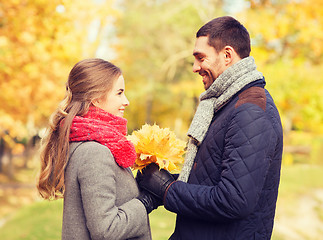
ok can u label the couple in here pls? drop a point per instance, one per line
(228, 186)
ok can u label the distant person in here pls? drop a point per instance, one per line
(228, 186)
(86, 159)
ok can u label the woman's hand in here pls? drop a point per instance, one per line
(149, 201)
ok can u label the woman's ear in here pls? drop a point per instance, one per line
(95, 102)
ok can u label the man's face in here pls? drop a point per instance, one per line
(208, 63)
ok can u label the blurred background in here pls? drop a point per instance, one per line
(152, 41)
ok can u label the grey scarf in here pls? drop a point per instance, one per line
(231, 81)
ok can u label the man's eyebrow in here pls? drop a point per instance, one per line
(197, 53)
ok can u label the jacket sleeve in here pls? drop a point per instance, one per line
(245, 162)
(104, 219)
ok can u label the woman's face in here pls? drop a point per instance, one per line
(115, 101)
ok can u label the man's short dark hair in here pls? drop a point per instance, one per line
(226, 31)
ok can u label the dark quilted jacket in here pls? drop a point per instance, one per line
(232, 189)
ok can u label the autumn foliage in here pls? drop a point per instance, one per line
(40, 41)
(152, 42)
(157, 145)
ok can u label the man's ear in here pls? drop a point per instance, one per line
(230, 55)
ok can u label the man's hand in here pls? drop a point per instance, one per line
(154, 180)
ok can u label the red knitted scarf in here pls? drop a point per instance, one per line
(107, 129)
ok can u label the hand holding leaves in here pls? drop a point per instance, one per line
(154, 180)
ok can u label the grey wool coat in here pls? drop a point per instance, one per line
(100, 198)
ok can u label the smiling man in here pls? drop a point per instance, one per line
(228, 185)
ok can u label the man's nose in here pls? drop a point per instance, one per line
(196, 67)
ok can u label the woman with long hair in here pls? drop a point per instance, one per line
(85, 159)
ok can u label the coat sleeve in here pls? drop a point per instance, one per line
(245, 162)
(104, 219)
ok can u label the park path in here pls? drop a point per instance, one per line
(16, 185)
(306, 221)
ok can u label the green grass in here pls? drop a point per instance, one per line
(42, 220)
(297, 180)
(39, 221)
(162, 223)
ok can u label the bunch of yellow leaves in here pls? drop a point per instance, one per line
(158, 145)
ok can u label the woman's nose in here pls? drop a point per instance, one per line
(126, 101)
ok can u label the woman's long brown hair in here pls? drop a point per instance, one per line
(88, 80)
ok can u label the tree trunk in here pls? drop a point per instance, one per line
(10, 172)
(27, 153)
(1, 153)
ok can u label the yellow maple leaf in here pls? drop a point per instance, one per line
(158, 145)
